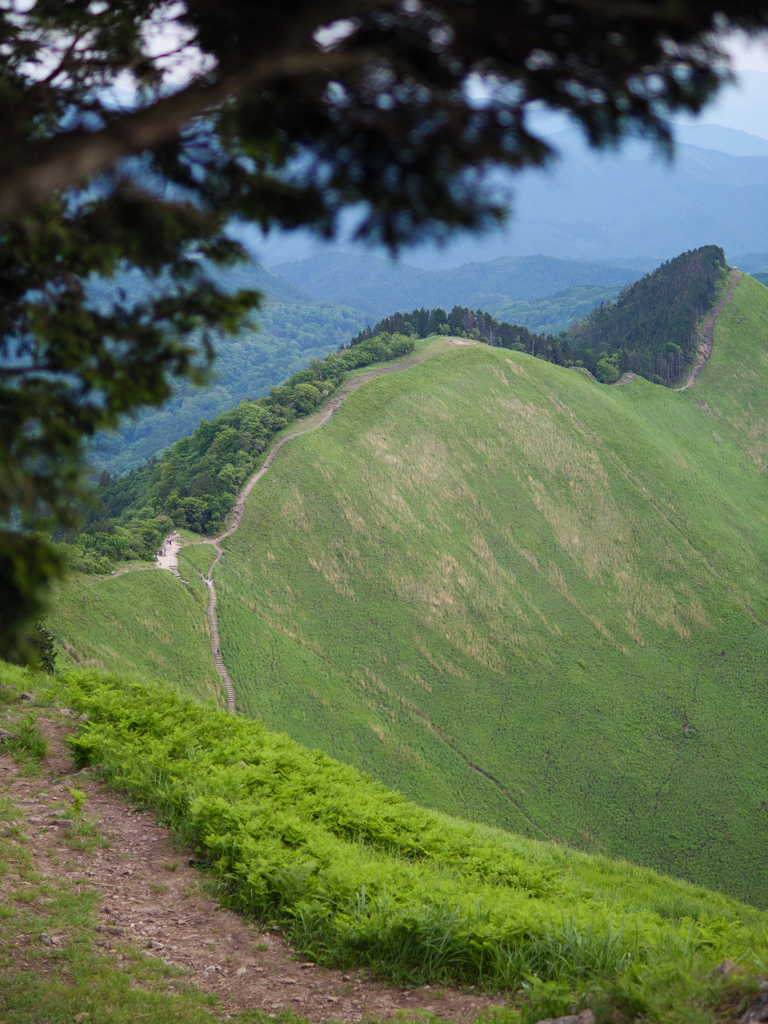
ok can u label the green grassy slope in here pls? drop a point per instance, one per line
(351, 873)
(529, 599)
(356, 874)
(142, 622)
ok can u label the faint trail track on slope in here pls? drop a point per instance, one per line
(708, 331)
(237, 513)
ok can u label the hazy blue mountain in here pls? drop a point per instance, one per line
(752, 262)
(255, 276)
(628, 206)
(727, 140)
(380, 287)
(741, 106)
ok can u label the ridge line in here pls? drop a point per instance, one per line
(327, 411)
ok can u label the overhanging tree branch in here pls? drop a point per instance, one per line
(74, 157)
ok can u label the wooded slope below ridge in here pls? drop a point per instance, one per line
(523, 597)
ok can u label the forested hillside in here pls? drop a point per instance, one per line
(288, 338)
(378, 286)
(554, 313)
(194, 483)
(651, 329)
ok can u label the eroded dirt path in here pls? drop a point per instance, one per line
(150, 900)
(708, 331)
(330, 407)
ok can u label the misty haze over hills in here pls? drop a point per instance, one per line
(630, 207)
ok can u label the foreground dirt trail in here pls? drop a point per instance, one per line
(151, 899)
(330, 407)
(708, 331)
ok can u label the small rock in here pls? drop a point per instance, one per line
(9, 690)
(46, 939)
(81, 1016)
(26, 695)
(306, 965)
(82, 718)
(758, 1011)
(241, 971)
(585, 1017)
(288, 981)
(210, 968)
(6, 737)
(726, 967)
(111, 929)
(103, 943)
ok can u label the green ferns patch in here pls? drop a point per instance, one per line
(356, 874)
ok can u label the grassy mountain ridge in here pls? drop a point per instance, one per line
(529, 599)
(525, 598)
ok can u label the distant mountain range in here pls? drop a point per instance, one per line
(629, 207)
(379, 287)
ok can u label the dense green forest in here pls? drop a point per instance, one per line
(467, 323)
(652, 328)
(194, 484)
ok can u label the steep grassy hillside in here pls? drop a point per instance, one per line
(356, 875)
(529, 599)
(351, 873)
(142, 622)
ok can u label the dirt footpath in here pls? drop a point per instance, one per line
(150, 897)
(169, 556)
